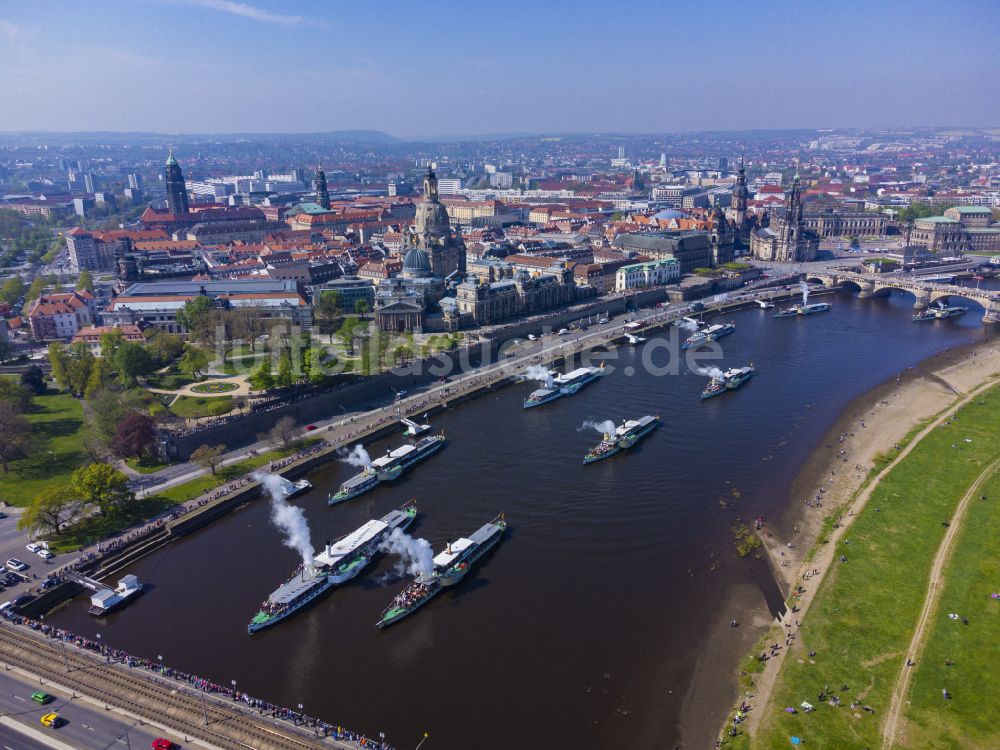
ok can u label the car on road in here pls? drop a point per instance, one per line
(310, 427)
(32, 547)
(10, 579)
(163, 744)
(40, 696)
(51, 720)
(45, 554)
(563, 332)
(15, 564)
(532, 337)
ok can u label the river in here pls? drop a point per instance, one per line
(581, 629)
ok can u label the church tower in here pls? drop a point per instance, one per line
(793, 222)
(319, 186)
(177, 198)
(433, 234)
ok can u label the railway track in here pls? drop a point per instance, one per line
(139, 693)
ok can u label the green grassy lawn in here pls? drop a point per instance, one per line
(146, 464)
(202, 406)
(864, 615)
(170, 380)
(91, 529)
(56, 421)
(973, 575)
(189, 490)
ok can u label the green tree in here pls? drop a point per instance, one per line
(35, 290)
(101, 375)
(85, 281)
(346, 333)
(15, 393)
(165, 347)
(71, 367)
(34, 380)
(107, 407)
(15, 433)
(59, 361)
(111, 342)
(328, 312)
(361, 308)
(261, 379)
(194, 361)
(133, 361)
(101, 486)
(208, 456)
(316, 364)
(195, 313)
(50, 511)
(285, 375)
(12, 290)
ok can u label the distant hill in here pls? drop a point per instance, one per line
(37, 137)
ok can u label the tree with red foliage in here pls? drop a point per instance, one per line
(134, 436)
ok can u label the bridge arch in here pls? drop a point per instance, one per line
(941, 294)
(851, 284)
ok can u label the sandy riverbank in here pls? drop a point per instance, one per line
(871, 425)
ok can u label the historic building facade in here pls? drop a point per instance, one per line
(432, 233)
(504, 293)
(784, 238)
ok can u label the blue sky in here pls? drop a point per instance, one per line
(420, 68)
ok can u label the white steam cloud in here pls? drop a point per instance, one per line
(710, 372)
(288, 518)
(415, 555)
(538, 373)
(357, 456)
(607, 427)
(687, 324)
(805, 292)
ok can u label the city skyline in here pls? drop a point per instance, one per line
(414, 71)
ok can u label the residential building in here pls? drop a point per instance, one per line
(91, 335)
(61, 315)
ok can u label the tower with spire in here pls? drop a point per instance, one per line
(319, 185)
(177, 197)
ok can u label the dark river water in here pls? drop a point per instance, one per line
(581, 629)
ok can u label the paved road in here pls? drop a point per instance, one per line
(88, 726)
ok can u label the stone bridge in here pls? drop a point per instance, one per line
(924, 292)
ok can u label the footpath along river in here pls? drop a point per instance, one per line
(583, 627)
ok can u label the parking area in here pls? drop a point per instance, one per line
(13, 546)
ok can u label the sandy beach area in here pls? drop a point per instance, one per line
(872, 425)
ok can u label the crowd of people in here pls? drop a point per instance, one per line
(263, 708)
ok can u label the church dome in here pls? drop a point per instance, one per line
(416, 263)
(431, 218)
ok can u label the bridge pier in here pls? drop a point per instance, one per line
(867, 290)
(923, 300)
(992, 315)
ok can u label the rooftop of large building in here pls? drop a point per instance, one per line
(211, 288)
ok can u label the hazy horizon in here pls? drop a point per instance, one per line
(447, 69)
